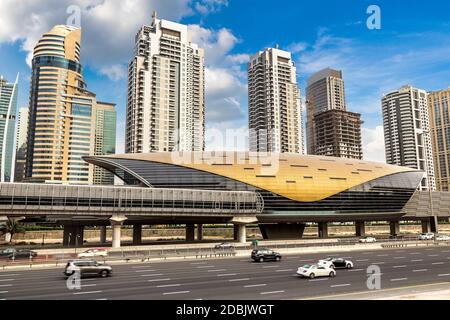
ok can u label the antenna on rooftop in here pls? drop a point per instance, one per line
(154, 17)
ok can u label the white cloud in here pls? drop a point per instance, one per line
(297, 47)
(210, 6)
(373, 144)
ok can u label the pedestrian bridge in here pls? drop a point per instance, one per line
(17, 199)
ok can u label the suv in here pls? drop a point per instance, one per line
(87, 268)
(261, 255)
(426, 236)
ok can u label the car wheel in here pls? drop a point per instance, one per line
(104, 273)
(312, 276)
(332, 274)
(349, 266)
(278, 259)
(261, 259)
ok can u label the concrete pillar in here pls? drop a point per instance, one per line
(236, 232)
(102, 234)
(323, 229)
(434, 224)
(426, 226)
(395, 228)
(137, 234)
(242, 233)
(73, 236)
(116, 223)
(190, 233)
(360, 227)
(199, 232)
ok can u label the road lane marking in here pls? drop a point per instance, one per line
(6, 280)
(444, 275)
(379, 263)
(415, 253)
(9, 275)
(322, 279)
(286, 270)
(174, 293)
(340, 285)
(400, 258)
(5, 285)
(168, 286)
(103, 299)
(88, 292)
(88, 285)
(227, 275)
(437, 263)
(140, 267)
(362, 260)
(421, 270)
(198, 263)
(220, 270)
(383, 255)
(255, 285)
(419, 260)
(158, 280)
(400, 279)
(152, 275)
(355, 270)
(205, 267)
(433, 255)
(396, 267)
(268, 267)
(3, 292)
(149, 270)
(273, 292)
(239, 280)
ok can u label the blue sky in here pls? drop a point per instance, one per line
(412, 47)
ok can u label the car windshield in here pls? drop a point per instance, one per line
(307, 266)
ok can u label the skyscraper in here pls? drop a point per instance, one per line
(275, 113)
(105, 139)
(62, 112)
(21, 145)
(438, 106)
(8, 109)
(166, 91)
(326, 94)
(407, 132)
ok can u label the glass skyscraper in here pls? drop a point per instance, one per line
(8, 109)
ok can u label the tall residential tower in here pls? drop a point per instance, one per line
(275, 113)
(166, 91)
(21, 145)
(62, 112)
(331, 129)
(407, 132)
(8, 109)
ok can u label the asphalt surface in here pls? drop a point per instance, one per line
(235, 278)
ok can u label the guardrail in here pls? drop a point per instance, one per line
(415, 244)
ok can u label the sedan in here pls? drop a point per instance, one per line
(368, 240)
(442, 238)
(336, 263)
(262, 255)
(93, 253)
(22, 254)
(225, 245)
(314, 271)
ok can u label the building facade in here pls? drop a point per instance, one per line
(327, 113)
(21, 144)
(62, 112)
(105, 139)
(338, 134)
(8, 110)
(438, 106)
(166, 91)
(407, 132)
(275, 113)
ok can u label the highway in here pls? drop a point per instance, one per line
(235, 278)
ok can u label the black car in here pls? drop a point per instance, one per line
(261, 255)
(337, 263)
(5, 253)
(22, 254)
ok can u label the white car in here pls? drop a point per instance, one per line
(336, 263)
(313, 271)
(92, 253)
(426, 236)
(368, 240)
(442, 238)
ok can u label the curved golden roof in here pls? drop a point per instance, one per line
(296, 177)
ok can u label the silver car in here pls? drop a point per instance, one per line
(87, 268)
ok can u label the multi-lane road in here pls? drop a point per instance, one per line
(236, 278)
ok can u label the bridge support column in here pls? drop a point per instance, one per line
(434, 224)
(235, 233)
(73, 236)
(323, 230)
(137, 234)
(426, 226)
(360, 227)
(242, 233)
(199, 232)
(117, 222)
(240, 225)
(102, 234)
(190, 233)
(395, 228)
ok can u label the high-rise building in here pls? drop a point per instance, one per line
(166, 91)
(338, 134)
(438, 106)
(105, 139)
(326, 92)
(8, 109)
(275, 112)
(407, 132)
(62, 112)
(21, 145)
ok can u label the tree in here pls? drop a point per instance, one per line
(13, 227)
